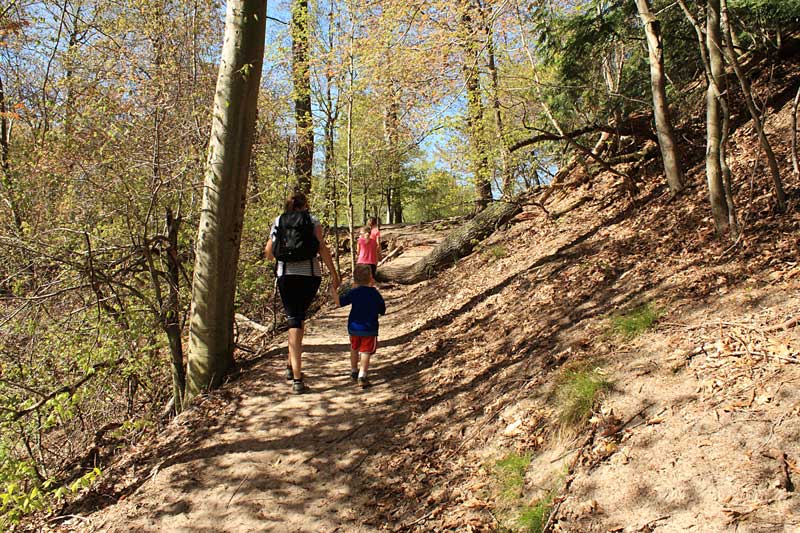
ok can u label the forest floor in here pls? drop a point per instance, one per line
(695, 428)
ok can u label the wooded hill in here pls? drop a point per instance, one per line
(537, 115)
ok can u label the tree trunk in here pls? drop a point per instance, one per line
(172, 322)
(714, 118)
(664, 129)
(397, 208)
(304, 160)
(391, 137)
(332, 115)
(795, 164)
(211, 340)
(480, 157)
(6, 181)
(505, 167)
(350, 96)
(780, 195)
(458, 244)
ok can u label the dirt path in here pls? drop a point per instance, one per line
(284, 462)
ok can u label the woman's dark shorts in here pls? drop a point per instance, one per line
(297, 293)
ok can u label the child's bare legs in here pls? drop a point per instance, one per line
(364, 364)
(353, 361)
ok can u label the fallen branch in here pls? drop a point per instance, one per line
(638, 126)
(790, 323)
(391, 255)
(242, 320)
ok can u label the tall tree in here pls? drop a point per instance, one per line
(710, 45)
(716, 122)
(469, 17)
(505, 165)
(664, 129)
(304, 158)
(211, 340)
(391, 125)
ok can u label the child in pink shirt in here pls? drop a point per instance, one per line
(368, 250)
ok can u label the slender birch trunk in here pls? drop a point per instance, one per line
(715, 115)
(664, 129)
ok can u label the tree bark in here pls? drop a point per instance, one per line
(795, 164)
(714, 118)
(171, 320)
(301, 79)
(350, 96)
(664, 129)
(392, 139)
(475, 125)
(211, 339)
(6, 182)
(458, 244)
(331, 117)
(505, 155)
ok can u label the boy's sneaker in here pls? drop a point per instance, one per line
(364, 382)
(289, 374)
(354, 375)
(298, 387)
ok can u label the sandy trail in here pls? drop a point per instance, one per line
(285, 462)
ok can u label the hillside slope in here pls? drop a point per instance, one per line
(466, 428)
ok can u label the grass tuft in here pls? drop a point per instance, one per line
(493, 253)
(533, 518)
(577, 393)
(510, 471)
(635, 322)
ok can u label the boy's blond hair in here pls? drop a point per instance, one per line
(362, 275)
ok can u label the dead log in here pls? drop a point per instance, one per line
(456, 245)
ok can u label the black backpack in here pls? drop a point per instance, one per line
(295, 239)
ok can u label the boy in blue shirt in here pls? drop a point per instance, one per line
(362, 324)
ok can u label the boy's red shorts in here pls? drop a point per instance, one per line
(364, 344)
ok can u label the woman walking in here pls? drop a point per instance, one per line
(296, 243)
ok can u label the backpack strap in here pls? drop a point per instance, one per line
(310, 222)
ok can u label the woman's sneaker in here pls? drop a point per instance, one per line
(354, 375)
(298, 387)
(364, 382)
(289, 374)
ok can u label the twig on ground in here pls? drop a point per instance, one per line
(239, 486)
